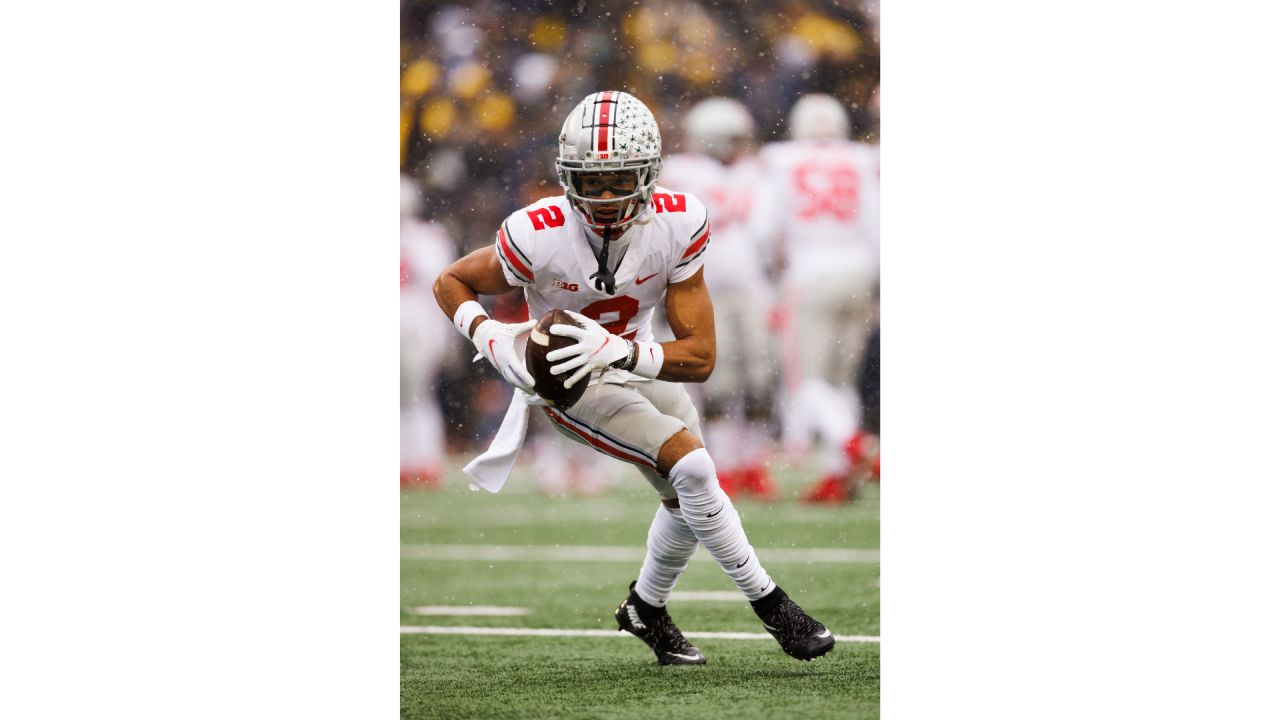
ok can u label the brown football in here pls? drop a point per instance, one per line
(541, 341)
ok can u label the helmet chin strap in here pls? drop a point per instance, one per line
(603, 277)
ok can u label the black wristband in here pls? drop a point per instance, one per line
(627, 363)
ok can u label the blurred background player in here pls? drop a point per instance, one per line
(823, 209)
(720, 167)
(425, 251)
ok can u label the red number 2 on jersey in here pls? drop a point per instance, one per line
(624, 306)
(545, 217)
(669, 202)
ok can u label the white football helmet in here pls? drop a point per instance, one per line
(719, 126)
(610, 131)
(818, 117)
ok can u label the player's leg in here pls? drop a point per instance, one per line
(432, 415)
(757, 360)
(710, 514)
(797, 415)
(722, 411)
(418, 466)
(620, 422)
(691, 473)
(824, 327)
(858, 448)
(863, 448)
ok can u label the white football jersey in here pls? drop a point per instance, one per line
(824, 203)
(740, 254)
(544, 249)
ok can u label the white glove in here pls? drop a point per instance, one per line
(596, 348)
(496, 341)
(533, 400)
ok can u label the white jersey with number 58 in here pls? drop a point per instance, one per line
(544, 249)
(824, 203)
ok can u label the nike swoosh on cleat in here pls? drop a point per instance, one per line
(824, 634)
(686, 657)
(771, 629)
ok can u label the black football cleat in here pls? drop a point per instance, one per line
(653, 625)
(800, 636)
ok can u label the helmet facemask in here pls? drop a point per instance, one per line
(628, 186)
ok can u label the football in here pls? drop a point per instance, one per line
(541, 341)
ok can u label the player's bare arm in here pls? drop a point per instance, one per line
(692, 355)
(478, 273)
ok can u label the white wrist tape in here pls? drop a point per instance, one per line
(466, 314)
(648, 359)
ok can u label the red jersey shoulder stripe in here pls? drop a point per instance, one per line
(513, 261)
(511, 241)
(697, 244)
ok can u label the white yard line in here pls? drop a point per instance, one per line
(559, 632)
(469, 610)
(615, 553)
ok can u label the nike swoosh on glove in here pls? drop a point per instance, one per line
(596, 348)
(496, 341)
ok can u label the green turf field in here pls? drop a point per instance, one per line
(522, 549)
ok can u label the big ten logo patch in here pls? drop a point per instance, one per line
(571, 287)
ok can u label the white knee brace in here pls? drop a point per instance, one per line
(710, 514)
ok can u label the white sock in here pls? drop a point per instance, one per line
(671, 544)
(714, 521)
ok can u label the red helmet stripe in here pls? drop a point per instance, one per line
(606, 110)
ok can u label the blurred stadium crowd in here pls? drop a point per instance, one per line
(484, 89)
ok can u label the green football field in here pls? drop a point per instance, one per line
(560, 565)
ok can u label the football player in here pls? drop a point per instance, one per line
(824, 209)
(720, 167)
(425, 250)
(610, 249)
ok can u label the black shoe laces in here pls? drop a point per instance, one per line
(792, 622)
(666, 636)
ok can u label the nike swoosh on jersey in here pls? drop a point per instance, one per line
(641, 281)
